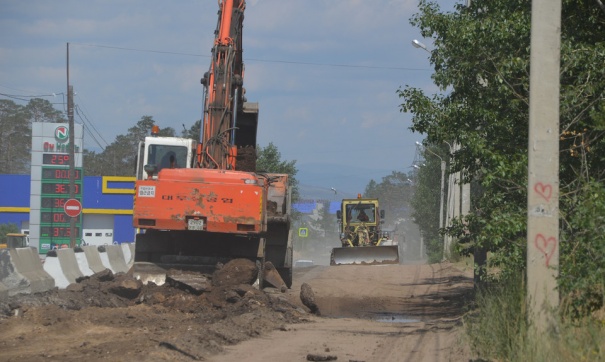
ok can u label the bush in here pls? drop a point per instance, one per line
(434, 250)
(582, 273)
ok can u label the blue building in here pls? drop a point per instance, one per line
(106, 207)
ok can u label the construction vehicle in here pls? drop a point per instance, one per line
(199, 203)
(15, 240)
(360, 221)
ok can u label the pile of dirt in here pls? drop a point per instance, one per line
(168, 321)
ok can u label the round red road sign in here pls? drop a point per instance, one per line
(72, 207)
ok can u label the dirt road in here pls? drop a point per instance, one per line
(372, 313)
(368, 313)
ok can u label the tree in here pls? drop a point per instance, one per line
(426, 201)
(41, 110)
(193, 132)
(118, 159)
(269, 160)
(481, 66)
(15, 132)
(394, 193)
(327, 222)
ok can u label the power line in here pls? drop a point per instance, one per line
(24, 96)
(84, 119)
(92, 124)
(258, 59)
(14, 97)
(140, 50)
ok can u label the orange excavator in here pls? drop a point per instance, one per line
(199, 203)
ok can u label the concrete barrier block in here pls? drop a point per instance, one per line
(52, 266)
(22, 272)
(69, 264)
(104, 258)
(93, 257)
(128, 255)
(116, 258)
(132, 247)
(9, 276)
(83, 262)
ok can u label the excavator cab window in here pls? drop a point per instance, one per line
(167, 156)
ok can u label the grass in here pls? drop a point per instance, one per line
(497, 330)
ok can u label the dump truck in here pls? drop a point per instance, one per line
(202, 202)
(360, 222)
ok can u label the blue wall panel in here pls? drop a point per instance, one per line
(14, 218)
(95, 199)
(123, 230)
(15, 190)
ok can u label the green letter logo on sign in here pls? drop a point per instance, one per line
(303, 232)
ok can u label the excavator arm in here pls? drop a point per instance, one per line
(226, 116)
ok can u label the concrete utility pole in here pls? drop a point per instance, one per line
(543, 166)
(72, 167)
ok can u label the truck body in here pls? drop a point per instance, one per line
(363, 242)
(198, 203)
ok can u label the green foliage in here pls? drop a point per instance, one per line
(394, 193)
(118, 159)
(481, 65)
(15, 132)
(582, 273)
(6, 229)
(193, 132)
(41, 110)
(426, 200)
(434, 250)
(268, 159)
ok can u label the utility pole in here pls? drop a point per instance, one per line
(72, 167)
(543, 165)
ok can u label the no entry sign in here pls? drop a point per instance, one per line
(72, 207)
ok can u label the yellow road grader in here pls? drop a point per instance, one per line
(360, 221)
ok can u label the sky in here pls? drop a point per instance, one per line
(324, 72)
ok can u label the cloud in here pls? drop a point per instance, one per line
(302, 66)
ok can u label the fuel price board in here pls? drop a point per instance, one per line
(55, 224)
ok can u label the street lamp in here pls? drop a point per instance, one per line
(420, 45)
